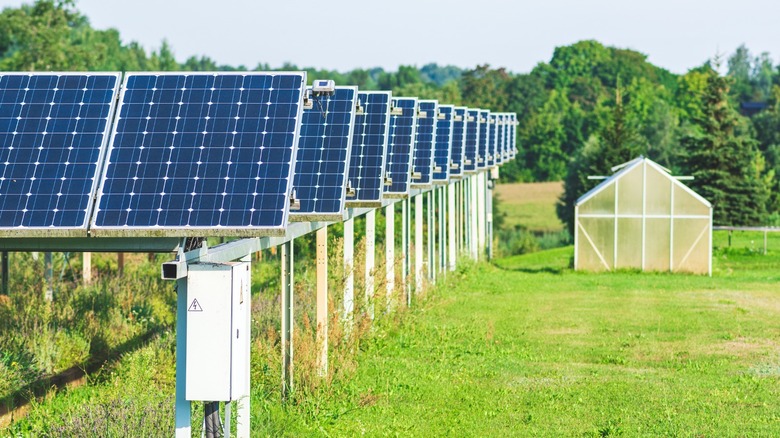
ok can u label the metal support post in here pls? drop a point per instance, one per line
(183, 406)
(6, 272)
(322, 300)
(86, 267)
(481, 212)
(418, 244)
(287, 319)
(243, 409)
(473, 216)
(349, 282)
(451, 224)
(370, 244)
(47, 275)
(431, 264)
(442, 231)
(405, 249)
(390, 252)
(489, 208)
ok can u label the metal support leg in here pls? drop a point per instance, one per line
(349, 256)
(6, 272)
(489, 226)
(322, 300)
(451, 224)
(442, 232)
(183, 407)
(390, 252)
(243, 410)
(47, 275)
(474, 215)
(405, 249)
(86, 268)
(429, 243)
(418, 244)
(287, 319)
(370, 244)
(481, 212)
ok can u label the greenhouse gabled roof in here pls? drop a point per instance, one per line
(627, 167)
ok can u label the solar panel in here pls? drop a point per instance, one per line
(498, 154)
(322, 159)
(53, 128)
(472, 140)
(443, 148)
(403, 126)
(458, 141)
(369, 146)
(482, 145)
(424, 140)
(201, 154)
(512, 135)
(490, 154)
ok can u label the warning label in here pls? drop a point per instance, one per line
(195, 306)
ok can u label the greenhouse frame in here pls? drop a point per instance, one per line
(644, 218)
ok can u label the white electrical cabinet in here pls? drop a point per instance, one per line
(218, 320)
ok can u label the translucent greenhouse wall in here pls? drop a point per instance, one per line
(643, 218)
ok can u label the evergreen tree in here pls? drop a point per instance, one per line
(616, 144)
(724, 160)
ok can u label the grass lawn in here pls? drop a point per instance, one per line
(531, 205)
(523, 347)
(530, 348)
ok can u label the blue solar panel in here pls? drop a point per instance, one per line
(472, 140)
(482, 145)
(501, 137)
(512, 135)
(492, 144)
(458, 141)
(422, 169)
(369, 146)
(53, 128)
(399, 147)
(201, 154)
(322, 160)
(443, 148)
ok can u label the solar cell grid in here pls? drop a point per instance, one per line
(501, 138)
(458, 141)
(201, 154)
(443, 148)
(473, 126)
(490, 155)
(399, 153)
(322, 159)
(369, 146)
(53, 128)
(484, 127)
(424, 141)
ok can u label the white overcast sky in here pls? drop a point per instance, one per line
(344, 34)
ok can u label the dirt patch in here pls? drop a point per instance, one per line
(524, 193)
(745, 347)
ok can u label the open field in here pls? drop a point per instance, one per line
(531, 205)
(525, 348)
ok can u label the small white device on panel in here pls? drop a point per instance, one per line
(218, 313)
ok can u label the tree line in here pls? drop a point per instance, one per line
(589, 108)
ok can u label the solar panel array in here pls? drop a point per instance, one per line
(369, 147)
(403, 127)
(53, 128)
(473, 126)
(443, 149)
(324, 150)
(458, 141)
(210, 154)
(424, 140)
(201, 153)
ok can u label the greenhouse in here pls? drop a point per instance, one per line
(644, 218)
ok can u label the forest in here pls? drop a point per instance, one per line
(588, 108)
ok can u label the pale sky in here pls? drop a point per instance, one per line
(344, 34)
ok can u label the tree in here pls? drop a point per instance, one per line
(723, 159)
(617, 143)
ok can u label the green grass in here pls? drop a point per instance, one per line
(527, 347)
(530, 348)
(530, 206)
